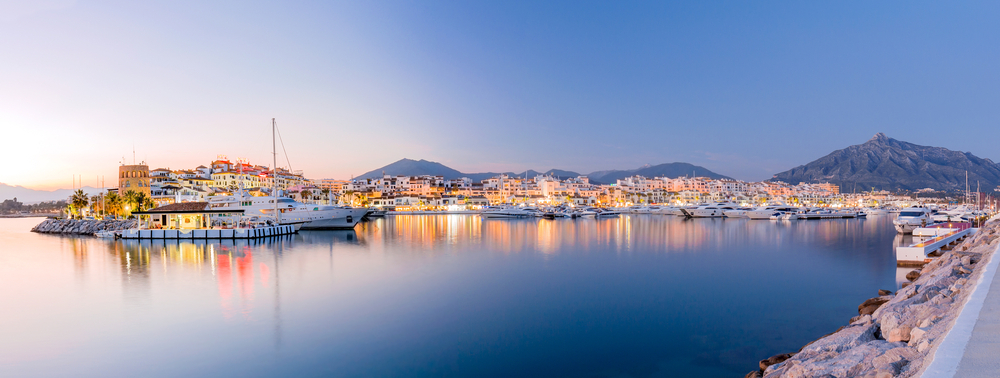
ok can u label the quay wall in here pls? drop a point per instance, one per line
(81, 227)
(895, 334)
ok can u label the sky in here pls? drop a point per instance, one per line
(746, 89)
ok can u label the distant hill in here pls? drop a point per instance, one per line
(410, 167)
(886, 163)
(27, 195)
(672, 170)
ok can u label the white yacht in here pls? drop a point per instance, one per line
(606, 213)
(505, 212)
(767, 211)
(291, 212)
(737, 213)
(716, 210)
(911, 218)
(876, 211)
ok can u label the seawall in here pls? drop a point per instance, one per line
(81, 227)
(895, 335)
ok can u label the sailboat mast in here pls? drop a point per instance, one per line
(274, 172)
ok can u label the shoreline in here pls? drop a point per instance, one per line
(898, 334)
(32, 215)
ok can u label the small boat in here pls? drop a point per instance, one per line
(107, 234)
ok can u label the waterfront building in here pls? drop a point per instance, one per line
(134, 177)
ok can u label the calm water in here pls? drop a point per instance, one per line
(431, 296)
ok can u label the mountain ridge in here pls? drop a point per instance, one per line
(410, 167)
(886, 163)
(30, 196)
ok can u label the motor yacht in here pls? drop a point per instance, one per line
(737, 213)
(716, 210)
(291, 212)
(505, 212)
(766, 212)
(606, 213)
(911, 218)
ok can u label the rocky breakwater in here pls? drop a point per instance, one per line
(895, 335)
(81, 227)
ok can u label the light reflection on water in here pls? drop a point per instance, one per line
(450, 295)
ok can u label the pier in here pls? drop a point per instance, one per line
(195, 221)
(921, 253)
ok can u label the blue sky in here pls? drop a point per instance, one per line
(746, 89)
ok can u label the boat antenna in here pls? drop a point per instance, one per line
(274, 172)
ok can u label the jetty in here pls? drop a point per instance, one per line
(941, 238)
(197, 220)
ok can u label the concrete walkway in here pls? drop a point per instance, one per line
(972, 346)
(982, 353)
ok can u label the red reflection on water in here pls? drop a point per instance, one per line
(244, 270)
(225, 276)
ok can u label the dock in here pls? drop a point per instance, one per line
(227, 233)
(941, 239)
(196, 220)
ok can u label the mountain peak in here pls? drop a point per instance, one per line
(880, 137)
(887, 163)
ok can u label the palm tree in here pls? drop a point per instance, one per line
(79, 201)
(145, 202)
(131, 202)
(113, 204)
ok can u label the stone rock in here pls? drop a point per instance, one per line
(853, 362)
(928, 321)
(916, 335)
(913, 275)
(776, 359)
(923, 346)
(898, 334)
(869, 306)
(893, 360)
(967, 260)
(861, 319)
(753, 374)
(883, 292)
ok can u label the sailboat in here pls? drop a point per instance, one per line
(287, 211)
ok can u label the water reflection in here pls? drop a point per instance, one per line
(448, 295)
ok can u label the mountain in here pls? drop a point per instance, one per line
(662, 170)
(27, 195)
(886, 163)
(410, 167)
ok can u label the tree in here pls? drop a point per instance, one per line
(144, 202)
(79, 202)
(130, 202)
(113, 204)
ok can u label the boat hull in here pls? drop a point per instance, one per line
(339, 219)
